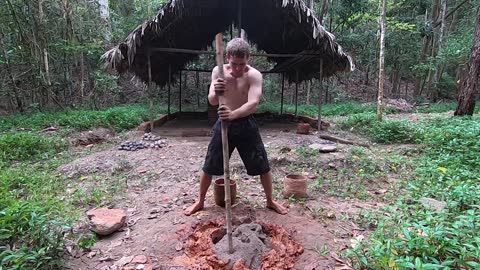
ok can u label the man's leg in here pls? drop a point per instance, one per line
(266, 180)
(205, 181)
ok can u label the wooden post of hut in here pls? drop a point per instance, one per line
(283, 88)
(296, 95)
(180, 93)
(169, 83)
(149, 89)
(320, 91)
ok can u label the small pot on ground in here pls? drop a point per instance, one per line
(303, 128)
(219, 192)
(295, 185)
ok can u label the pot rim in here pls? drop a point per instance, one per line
(221, 182)
(293, 176)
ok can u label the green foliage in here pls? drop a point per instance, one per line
(119, 118)
(437, 107)
(30, 237)
(330, 109)
(20, 146)
(392, 131)
(32, 218)
(414, 236)
(387, 131)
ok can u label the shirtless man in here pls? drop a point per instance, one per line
(242, 90)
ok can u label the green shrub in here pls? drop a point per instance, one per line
(31, 236)
(392, 131)
(358, 122)
(21, 146)
(118, 118)
(412, 236)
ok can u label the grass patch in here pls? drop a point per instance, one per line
(330, 109)
(22, 146)
(118, 118)
(32, 218)
(412, 236)
(387, 131)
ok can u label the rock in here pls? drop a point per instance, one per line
(315, 146)
(323, 148)
(123, 261)
(105, 221)
(178, 246)
(437, 205)
(140, 259)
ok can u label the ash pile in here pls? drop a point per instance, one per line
(148, 141)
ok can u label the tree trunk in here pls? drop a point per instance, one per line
(324, 11)
(439, 69)
(381, 75)
(82, 78)
(105, 15)
(18, 100)
(309, 87)
(367, 73)
(427, 49)
(466, 100)
(44, 52)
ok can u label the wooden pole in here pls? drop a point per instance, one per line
(149, 87)
(320, 92)
(180, 94)
(296, 95)
(239, 18)
(226, 170)
(283, 88)
(169, 83)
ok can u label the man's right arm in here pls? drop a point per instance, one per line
(212, 97)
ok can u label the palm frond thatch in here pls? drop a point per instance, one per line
(275, 26)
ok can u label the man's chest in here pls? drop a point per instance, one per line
(237, 86)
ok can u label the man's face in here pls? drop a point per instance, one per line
(238, 65)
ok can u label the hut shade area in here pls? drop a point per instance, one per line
(286, 30)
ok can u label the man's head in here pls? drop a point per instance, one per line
(238, 54)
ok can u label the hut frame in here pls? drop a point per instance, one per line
(144, 42)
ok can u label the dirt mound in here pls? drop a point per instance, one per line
(273, 247)
(93, 136)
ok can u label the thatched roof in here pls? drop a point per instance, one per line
(275, 26)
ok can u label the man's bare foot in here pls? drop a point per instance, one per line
(275, 206)
(192, 209)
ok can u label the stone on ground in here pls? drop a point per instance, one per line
(323, 148)
(106, 221)
(437, 205)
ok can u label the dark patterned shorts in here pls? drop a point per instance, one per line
(243, 134)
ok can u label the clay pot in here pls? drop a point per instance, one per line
(303, 128)
(219, 192)
(295, 186)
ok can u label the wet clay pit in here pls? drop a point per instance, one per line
(256, 246)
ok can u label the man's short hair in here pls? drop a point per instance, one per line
(238, 47)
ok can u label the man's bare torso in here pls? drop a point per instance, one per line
(237, 88)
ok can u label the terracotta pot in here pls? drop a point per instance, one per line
(303, 128)
(219, 192)
(295, 186)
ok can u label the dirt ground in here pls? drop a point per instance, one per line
(156, 185)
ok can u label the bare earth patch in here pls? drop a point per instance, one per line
(158, 184)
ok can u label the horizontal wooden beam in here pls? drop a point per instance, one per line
(209, 71)
(175, 50)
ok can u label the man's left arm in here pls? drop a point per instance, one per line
(254, 95)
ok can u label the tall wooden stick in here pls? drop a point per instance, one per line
(226, 169)
(320, 91)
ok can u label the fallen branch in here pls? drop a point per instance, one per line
(339, 140)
